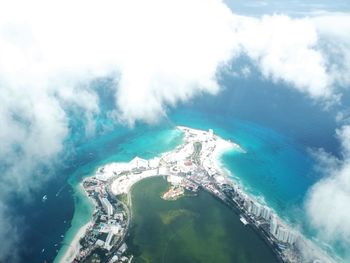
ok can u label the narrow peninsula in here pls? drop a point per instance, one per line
(191, 167)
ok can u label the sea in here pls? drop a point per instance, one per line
(274, 124)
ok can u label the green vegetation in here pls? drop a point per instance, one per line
(123, 198)
(196, 152)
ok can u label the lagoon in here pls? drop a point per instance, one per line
(190, 229)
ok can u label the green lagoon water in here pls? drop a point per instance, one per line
(137, 144)
(190, 229)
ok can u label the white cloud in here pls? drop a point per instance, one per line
(328, 201)
(7, 229)
(285, 50)
(163, 52)
(334, 30)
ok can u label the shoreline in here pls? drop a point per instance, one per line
(67, 253)
(74, 246)
(226, 146)
(122, 183)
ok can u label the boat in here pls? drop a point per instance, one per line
(243, 220)
(44, 198)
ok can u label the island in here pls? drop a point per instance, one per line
(193, 166)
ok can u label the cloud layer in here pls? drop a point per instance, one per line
(328, 201)
(286, 50)
(160, 52)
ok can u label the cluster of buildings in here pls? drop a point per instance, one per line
(279, 231)
(190, 166)
(261, 218)
(286, 243)
(104, 239)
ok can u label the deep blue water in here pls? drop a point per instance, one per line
(274, 124)
(274, 166)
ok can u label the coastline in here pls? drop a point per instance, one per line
(180, 225)
(72, 237)
(221, 146)
(226, 146)
(75, 246)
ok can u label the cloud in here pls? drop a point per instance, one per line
(10, 231)
(333, 31)
(164, 51)
(160, 53)
(327, 204)
(286, 50)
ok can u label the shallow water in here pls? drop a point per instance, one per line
(190, 229)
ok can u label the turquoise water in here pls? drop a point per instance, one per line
(145, 143)
(273, 166)
(274, 124)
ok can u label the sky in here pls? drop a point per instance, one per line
(161, 53)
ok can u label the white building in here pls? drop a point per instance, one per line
(107, 206)
(154, 163)
(248, 205)
(108, 245)
(99, 243)
(122, 248)
(273, 226)
(265, 212)
(138, 163)
(256, 209)
(114, 259)
(210, 134)
(292, 238)
(282, 234)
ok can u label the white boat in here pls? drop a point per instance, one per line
(243, 220)
(44, 198)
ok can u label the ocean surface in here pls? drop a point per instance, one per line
(276, 126)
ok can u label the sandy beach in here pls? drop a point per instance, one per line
(201, 149)
(69, 253)
(74, 246)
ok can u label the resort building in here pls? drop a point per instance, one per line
(256, 209)
(273, 226)
(265, 212)
(282, 234)
(107, 244)
(107, 206)
(138, 163)
(292, 238)
(248, 205)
